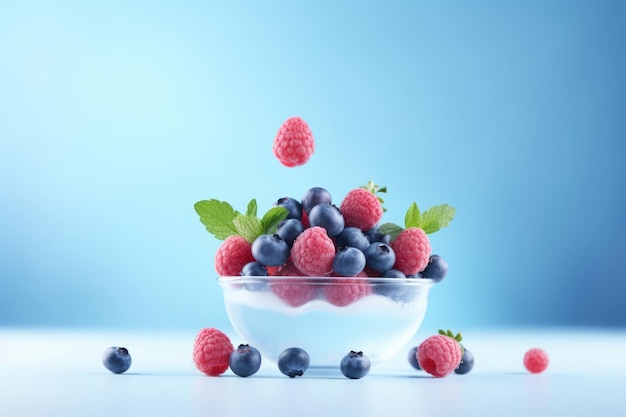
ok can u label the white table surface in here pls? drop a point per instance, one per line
(58, 372)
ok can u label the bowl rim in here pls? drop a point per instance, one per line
(325, 280)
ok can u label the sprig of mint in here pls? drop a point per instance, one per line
(376, 190)
(430, 221)
(223, 221)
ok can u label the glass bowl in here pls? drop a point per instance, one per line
(326, 316)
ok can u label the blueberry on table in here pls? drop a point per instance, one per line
(293, 362)
(467, 363)
(245, 360)
(412, 357)
(355, 365)
(116, 359)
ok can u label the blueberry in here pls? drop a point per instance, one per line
(374, 235)
(254, 269)
(270, 250)
(293, 362)
(353, 236)
(327, 216)
(292, 205)
(245, 360)
(436, 269)
(412, 357)
(289, 229)
(348, 261)
(467, 362)
(355, 365)
(116, 359)
(391, 289)
(380, 257)
(313, 197)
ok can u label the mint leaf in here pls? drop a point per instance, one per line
(437, 217)
(249, 227)
(270, 220)
(391, 229)
(217, 216)
(252, 208)
(413, 217)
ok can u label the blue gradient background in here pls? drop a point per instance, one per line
(116, 118)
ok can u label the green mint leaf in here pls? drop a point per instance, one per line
(252, 208)
(413, 218)
(248, 226)
(217, 216)
(391, 229)
(272, 217)
(437, 217)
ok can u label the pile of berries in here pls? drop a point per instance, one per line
(316, 237)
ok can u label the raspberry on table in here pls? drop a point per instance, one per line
(439, 355)
(232, 255)
(211, 351)
(294, 143)
(361, 208)
(412, 249)
(313, 252)
(536, 360)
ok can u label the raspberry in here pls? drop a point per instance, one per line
(211, 351)
(536, 360)
(313, 252)
(412, 249)
(439, 355)
(344, 291)
(232, 255)
(292, 291)
(294, 144)
(361, 208)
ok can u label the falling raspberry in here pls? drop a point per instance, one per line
(536, 360)
(294, 143)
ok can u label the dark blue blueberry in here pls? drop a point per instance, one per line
(467, 362)
(293, 362)
(116, 359)
(380, 257)
(355, 365)
(289, 230)
(393, 290)
(412, 357)
(254, 269)
(270, 250)
(436, 269)
(313, 197)
(352, 236)
(348, 261)
(374, 235)
(292, 205)
(245, 360)
(327, 216)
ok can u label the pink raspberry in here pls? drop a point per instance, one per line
(211, 350)
(412, 249)
(361, 208)
(344, 291)
(536, 360)
(294, 144)
(292, 291)
(439, 355)
(313, 252)
(232, 255)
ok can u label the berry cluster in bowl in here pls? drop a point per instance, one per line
(346, 244)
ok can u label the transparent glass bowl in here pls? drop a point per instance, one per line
(326, 316)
